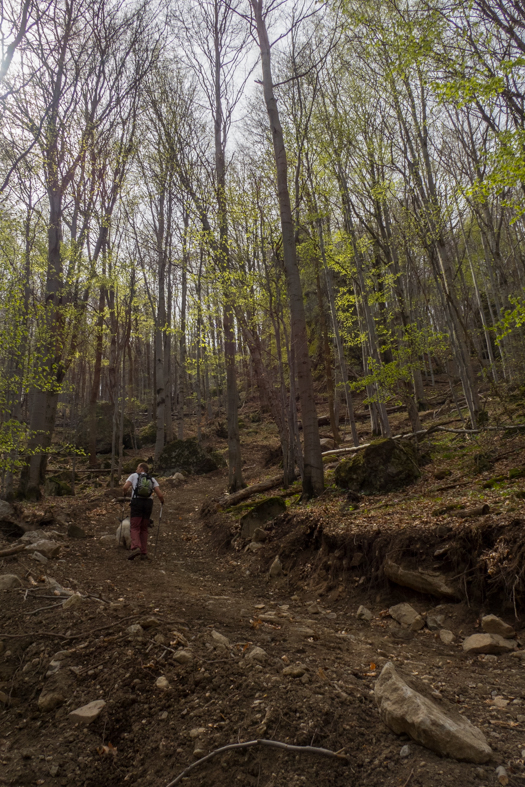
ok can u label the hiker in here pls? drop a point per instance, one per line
(141, 506)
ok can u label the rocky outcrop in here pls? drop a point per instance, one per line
(446, 732)
(382, 466)
(185, 455)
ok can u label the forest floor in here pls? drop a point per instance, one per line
(198, 584)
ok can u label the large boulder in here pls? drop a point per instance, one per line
(260, 514)
(56, 486)
(186, 455)
(440, 729)
(105, 412)
(382, 466)
(423, 581)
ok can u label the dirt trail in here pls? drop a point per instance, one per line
(193, 595)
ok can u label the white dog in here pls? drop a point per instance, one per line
(123, 536)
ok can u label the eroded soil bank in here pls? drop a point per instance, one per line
(200, 583)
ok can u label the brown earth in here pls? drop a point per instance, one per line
(196, 583)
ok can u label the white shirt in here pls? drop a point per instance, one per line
(133, 479)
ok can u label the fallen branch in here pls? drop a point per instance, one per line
(262, 742)
(244, 494)
(12, 550)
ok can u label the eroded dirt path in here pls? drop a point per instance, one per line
(191, 596)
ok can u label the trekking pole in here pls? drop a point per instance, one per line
(158, 533)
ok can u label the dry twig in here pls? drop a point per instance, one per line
(262, 742)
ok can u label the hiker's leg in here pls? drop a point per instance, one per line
(144, 535)
(135, 532)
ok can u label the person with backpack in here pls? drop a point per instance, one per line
(142, 486)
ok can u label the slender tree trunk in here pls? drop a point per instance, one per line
(313, 481)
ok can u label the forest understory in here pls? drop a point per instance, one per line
(197, 610)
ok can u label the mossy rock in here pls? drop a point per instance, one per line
(218, 457)
(104, 416)
(185, 455)
(482, 462)
(148, 433)
(517, 472)
(131, 465)
(56, 487)
(383, 466)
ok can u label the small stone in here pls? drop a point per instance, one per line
(294, 671)
(199, 752)
(150, 622)
(88, 713)
(256, 654)
(304, 631)
(162, 683)
(8, 581)
(435, 621)
(160, 639)
(491, 624)
(520, 718)
(488, 643)
(357, 559)
(500, 702)
(135, 630)
(364, 614)
(220, 640)
(54, 769)
(501, 775)
(39, 558)
(253, 546)
(75, 531)
(313, 609)
(197, 732)
(259, 535)
(73, 601)
(163, 716)
(276, 569)
(405, 752)
(183, 656)
(407, 617)
(107, 541)
(446, 637)
(48, 701)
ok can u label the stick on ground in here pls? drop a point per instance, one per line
(262, 742)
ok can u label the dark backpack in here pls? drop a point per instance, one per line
(144, 486)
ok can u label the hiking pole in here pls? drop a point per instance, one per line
(158, 533)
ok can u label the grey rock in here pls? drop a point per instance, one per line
(405, 710)
(8, 581)
(488, 643)
(73, 601)
(261, 514)
(259, 535)
(162, 683)
(183, 656)
(435, 621)
(422, 581)
(219, 640)
(253, 546)
(107, 540)
(491, 624)
(276, 569)
(31, 536)
(407, 617)
(49, 549)
(49, 700)
(54, 769)
(39, 558)
(502, 776)
(75, 531)
(295, 671)
(364, 614)
(327, 444)
(405, 752)
(88, 713)
(135, 630)
(256, 654)
(446, 637)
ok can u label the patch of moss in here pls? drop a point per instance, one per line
(517, 472)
